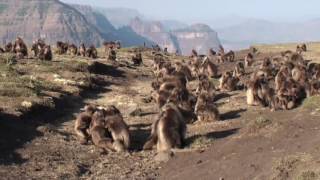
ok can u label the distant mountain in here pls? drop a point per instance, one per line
(261, 31)
(119, 17)
(48, 19)
(199, 36)
(171, 25)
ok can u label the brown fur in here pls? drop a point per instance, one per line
(92, 52)
(206, 109)
(83, 122)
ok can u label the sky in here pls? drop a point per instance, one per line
(199, 10)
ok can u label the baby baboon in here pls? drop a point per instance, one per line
(206, 109)
(137, 59)
(73, 50)
(168, 131)
(118, 128)
(82, 123)
(248, 61)
(239, 70)
(45, 53)
(99, 134)
(20, 48)
(82, 50)
(92, 52)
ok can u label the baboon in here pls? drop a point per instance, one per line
(45, 53)
(165, 50)
(212, 52)
(8, 47)
(228, 82)
(37, 46)
(230, 56)
(99, 134)
(118, 128)
(156, 48)
(304, 47)
(299, 49)
(205, 108)
(108, 46)
(2, 50)
(205, 85)
(208, 67)
(82, 123)
(179, 67)
(168, 131)
(281, 76)
(166, 90)
(137, 59)
(62, 47)
(82, 50)
(92, 52)
(112, 55)
(20, 48)
(118, 45)
(299, 74)
(313, 70)
(248, 61)
(73, 50)
(239, 70)
(194, 53)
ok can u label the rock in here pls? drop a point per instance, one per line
(136, 112)
(164, 156)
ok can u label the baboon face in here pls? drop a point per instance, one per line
(98, 118)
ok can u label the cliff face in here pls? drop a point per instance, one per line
(199, 36)
(48, 19)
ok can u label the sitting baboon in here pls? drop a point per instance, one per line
(118, 128)
(137, 59)
(108, 46)
(165, 50)
(99, 133)
(304, 47)
(156, 48)
(8, 47)
(205, 85)
(230, 56)
(194, 53)
(20, 48)
(313, 70)
(281, 76)
(299, 74)
(166, 90)
(45, 53)
(228, 82)
(118, 45)
(2, 50)
(92, 52)
(208, 67)
(206, 109)
(168, 131)
(112, 55)
(83, 122)
(239, 70)
(73, 50)
(82, 50)
(62, 47)
(248, 60)
(180, 68)
(37, 46)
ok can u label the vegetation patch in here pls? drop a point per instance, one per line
(312, 103)
(308, 175)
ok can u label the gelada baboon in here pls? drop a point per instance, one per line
(228, 82)
(92, 52)
(180, 68)
(72, 49)
(168, 131)
(62, 47)
(118, 128)
(205, 108)
(37, 46)
(248, 60)
(112, 55)
(137, 58)
(194, 53)
(20, 48)
(45, 53)
(239, 70)
(83, 122)
(99, 134)
(208, 67)
(8, 47)
(82, 50)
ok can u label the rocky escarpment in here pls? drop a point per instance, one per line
(50, 19)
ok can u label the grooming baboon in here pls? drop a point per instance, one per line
(248, 61)
(228, 82)
(82, 50)
(137, 58)
(45, 53)
(118, 129)
(99, 133)
(92, 52)
(168, 131)
(82, 123)
(20, 48)
(73, 50)
(205, 108)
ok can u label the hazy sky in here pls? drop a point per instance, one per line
(210, 9)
